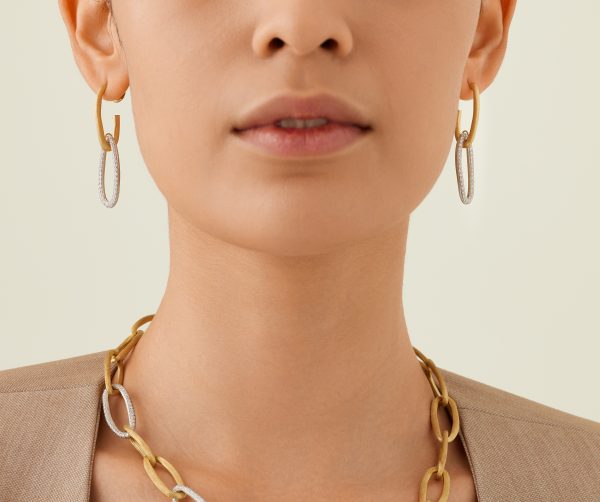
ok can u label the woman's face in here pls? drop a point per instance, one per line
(193, 67)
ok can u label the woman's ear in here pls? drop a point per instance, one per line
(489, 45)
(97, 50)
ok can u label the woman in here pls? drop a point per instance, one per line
(292, 140)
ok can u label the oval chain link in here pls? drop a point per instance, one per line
(460, 144)
(108, 415)
(180, 490)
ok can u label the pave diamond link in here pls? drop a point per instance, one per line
(188, 491)
(466, 199)
(117, 172)
(108, 415)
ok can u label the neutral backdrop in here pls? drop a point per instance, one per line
(504, 290)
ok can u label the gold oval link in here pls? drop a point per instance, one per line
(130, 345)
(420, 354)
(140, 445)
(425, 483)
(159, 483)
(455, 417)
(120, 372)
(109, 358)
(443, 390)
(424, 362)
(435, 419)
(432, 384)
(140, 322)
(443, 455)
(107, 375)
(118, 355)
(124, 343)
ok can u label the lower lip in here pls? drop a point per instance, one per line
(302, 141)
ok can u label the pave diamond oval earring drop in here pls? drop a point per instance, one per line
(465, 139)
(108, 142)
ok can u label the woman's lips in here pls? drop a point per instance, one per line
(302, 141)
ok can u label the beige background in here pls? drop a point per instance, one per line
(505, 290)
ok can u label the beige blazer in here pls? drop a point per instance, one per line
(519, 450)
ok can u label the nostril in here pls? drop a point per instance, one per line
(276, 43)
(330, 43)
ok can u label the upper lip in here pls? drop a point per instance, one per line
(283, 106)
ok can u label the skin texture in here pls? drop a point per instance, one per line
(279, 365)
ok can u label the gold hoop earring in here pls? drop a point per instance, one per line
(116, 120)
(108, 143)
(465, 139)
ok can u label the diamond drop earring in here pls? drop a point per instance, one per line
(108, 142)
(464, 139)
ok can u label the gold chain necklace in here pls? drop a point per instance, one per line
(180, 490)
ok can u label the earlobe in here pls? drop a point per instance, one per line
(489, 45)
(97, 52)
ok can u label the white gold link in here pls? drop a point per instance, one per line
(108, 416)
(466, 199)
(117, 171)
(188, 491)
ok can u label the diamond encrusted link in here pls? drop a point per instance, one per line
(188, 491)
(466, 199)
(108, 416)
(117, 172)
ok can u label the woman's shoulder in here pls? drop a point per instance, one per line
(49, 414)
(522, 449)
(71, 372)
(480, 397)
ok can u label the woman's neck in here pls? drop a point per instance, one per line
(278, 370)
